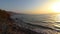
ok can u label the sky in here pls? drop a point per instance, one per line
(26, 6)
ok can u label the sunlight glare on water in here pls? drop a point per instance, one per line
(57, 22)
(58, 18)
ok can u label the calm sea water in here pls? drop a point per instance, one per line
(46, 20)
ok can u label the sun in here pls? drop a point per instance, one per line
(56, 7)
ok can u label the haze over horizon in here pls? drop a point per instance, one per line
(27, 6)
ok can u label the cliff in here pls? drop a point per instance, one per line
(8, 26)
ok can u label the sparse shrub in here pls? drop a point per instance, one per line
(4, 14)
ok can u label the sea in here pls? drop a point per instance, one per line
(38, 22)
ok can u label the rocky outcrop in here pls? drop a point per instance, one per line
(7, 26)
(4, 15)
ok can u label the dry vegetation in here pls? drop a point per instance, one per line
(6, 25)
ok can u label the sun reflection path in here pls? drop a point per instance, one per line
(57, 18)
(57, 22)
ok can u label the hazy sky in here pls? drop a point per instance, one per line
(26, 6)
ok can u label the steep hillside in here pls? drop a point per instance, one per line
(8, 26)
